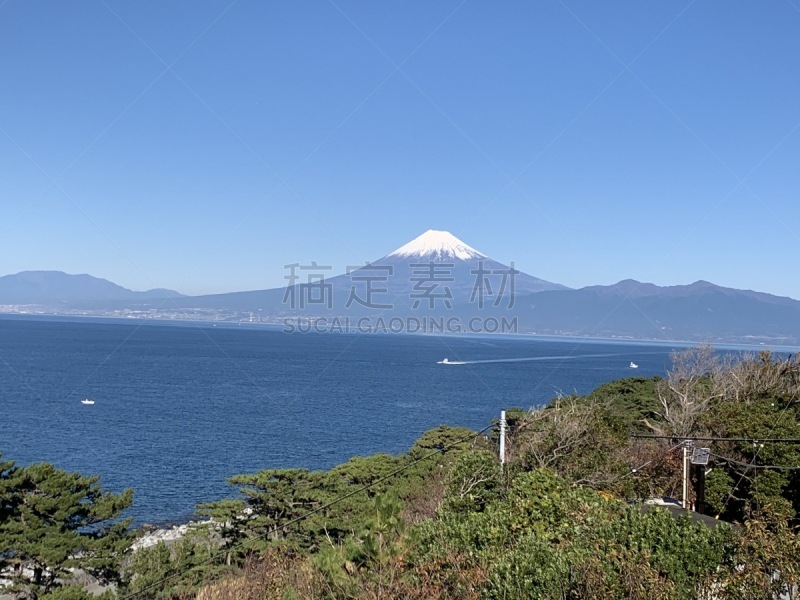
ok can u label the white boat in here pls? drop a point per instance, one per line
(446, 361)
(87, 401)
(633, 365)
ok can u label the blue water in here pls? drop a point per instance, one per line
(181, 408)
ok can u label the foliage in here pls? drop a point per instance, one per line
(274, 501)
(475, 480)
(170, 571)
(369, 559)
(586, 439)
(290, 507)
(688, 393)
(75, 592)
(759, 399)
(764, 562)
(51, 520)
(629, 401)
(576, 437)
(719, 484)
(545, 538)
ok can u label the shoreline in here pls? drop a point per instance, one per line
(729, 344)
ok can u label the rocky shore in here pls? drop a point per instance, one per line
(148, 536)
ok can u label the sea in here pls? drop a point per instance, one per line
(181, 407)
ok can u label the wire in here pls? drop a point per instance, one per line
(720, 439)
(755, 456)
(312, 512)
(637, 469)
(755, 466)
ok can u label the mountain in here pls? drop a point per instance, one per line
(698, 311)
(430, 272)
(55, 288)
(410, 264)
(437, 270)
(636, 289)
(438, 276)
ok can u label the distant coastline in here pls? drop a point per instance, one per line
(731, 344)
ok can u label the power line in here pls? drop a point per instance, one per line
(636, 470)
(755, 466)
(364, 488)
(718, 439)
(755, 457)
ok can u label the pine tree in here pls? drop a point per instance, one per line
(51, 520)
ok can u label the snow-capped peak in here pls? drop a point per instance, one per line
(439, 245)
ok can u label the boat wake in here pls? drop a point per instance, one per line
(523, 359)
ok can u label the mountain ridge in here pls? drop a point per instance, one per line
(41, 287)
(438, 275)
(636, 288)
(710, 313)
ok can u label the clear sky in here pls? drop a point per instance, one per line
(201, 146)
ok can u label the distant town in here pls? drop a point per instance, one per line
(289, 323)
(157, 314)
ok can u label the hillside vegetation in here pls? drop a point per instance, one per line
(563, 518)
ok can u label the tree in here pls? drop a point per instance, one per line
(688, 392)
(275, 502)
(630, 401)
(575, 437)
(475, 480)
(290, 507)
(51, 520)
(763, 562)
(163, 571)
(368, 563)
(759, 400)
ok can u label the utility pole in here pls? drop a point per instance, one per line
(700, 488)
(686, 474)
(502, 437)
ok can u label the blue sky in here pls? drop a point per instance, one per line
(202, 146)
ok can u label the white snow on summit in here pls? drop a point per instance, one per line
(435, 244)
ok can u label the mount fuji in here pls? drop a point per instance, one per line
(455, 265)
(434, 271)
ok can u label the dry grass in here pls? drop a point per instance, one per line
(275, 575)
